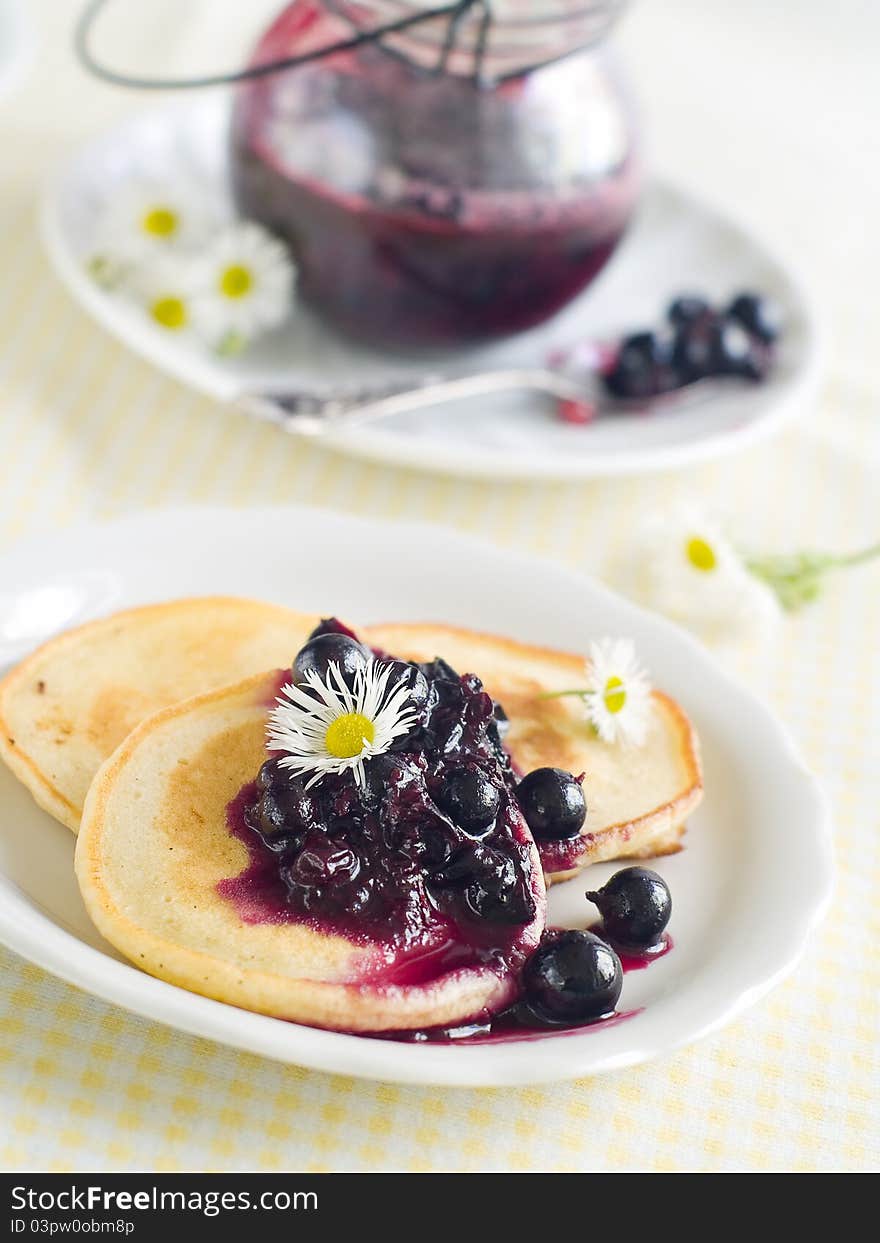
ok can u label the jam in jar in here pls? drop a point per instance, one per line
(427, 206)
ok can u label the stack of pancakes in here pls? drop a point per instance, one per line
(137, 730)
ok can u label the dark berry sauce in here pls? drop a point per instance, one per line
(520, 1022)
(429, 861)
(517, 1023)
(632, 960)
(565, 854)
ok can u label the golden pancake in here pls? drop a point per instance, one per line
(157, 866)
(66, 707)
(637, 797)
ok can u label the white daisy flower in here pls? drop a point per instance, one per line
(327, 726)
(164, 291)
(684, 566)
(146, 219)
(617, 694)
(242, 286)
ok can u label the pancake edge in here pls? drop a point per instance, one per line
(21, 763)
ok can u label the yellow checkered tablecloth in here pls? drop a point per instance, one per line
(88, 430)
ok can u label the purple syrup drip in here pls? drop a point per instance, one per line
(565, 854)
(633, 960)
(512, 1026)
(257, 893)
(518, 1022)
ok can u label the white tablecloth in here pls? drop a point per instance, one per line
(769, 109)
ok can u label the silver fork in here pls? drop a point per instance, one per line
(313, 414)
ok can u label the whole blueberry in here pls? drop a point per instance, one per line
(483, 884)
(695, 349)
(469, 798)
(431, 844)
(642, 368)
(285, 809)
(323, 861)
(496, 894)
(382, 774)
(462, 866)
(553, 803)
(332, 625)
(572, 977)
(269, 817)
(758, 315)
(326, 649)
(738, 353)
(271, 773)
(498, 903)
(686, 308)
(439, 670)
(635, 906)
(410, 676)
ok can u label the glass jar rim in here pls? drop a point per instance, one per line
(560, 11)
(479, 38)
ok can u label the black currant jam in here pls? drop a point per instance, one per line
(426, 860)
(566, 854)
(520, 1022)
(637, 960)
(429, 860)
(516, 1024)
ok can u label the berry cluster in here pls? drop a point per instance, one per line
(433, 832)
(698, 341)
(433, 828)
(576, 977)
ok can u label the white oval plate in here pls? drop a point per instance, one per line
(753, 880)
(677, 243)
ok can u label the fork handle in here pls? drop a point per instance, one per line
(312, 415)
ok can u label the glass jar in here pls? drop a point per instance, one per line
(425, 207)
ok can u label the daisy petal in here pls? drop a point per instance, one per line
(300, 725)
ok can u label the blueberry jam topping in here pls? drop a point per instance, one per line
(424, 851)
(635, 906)
(470, 797)
(758, 315)
(433, 838)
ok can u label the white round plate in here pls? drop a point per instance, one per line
(677, 243)
(753, 880)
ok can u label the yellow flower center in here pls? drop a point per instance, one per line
(160, 222)
(614, 694)
(700, 554)
(170, 313)
(348, 735)
(236, 282)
